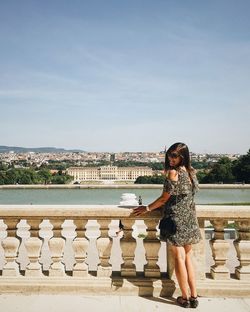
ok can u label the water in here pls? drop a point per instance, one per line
(110, 196)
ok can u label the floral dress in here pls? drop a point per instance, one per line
(181, 207)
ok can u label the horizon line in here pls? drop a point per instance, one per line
(68, 149)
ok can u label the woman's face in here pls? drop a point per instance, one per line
(174, 159)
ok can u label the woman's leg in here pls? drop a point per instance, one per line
(180, 269)
(190, 270)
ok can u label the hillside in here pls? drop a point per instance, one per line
(18, 149)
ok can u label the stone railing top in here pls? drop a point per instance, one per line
(227, 212)
(206, 212)
(116, 186)
(70, 211)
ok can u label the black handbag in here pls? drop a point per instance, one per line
(167, 227)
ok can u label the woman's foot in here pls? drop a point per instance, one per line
(183, 302)
(193, 302)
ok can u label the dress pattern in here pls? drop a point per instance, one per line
(181, 207)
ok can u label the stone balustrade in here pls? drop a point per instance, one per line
(62, 247)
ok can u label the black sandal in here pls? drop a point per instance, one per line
(193, 302)
(183, 302)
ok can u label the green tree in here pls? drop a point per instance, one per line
(150, 180)
(11, 176)
(201, 175)
(200, 164)
(25, 179)
(220, 172)
(2, 177)
(241, 168)
(156, 166)
(61, 178)
(44, 176)
(3, 167)
(27, 176)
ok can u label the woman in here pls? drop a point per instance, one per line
(177, 200)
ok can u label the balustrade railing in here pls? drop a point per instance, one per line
(82, 241)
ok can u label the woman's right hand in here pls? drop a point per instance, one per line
(140, 210)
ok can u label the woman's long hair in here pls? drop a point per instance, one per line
(183, 151)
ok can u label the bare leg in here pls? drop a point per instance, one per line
(190, 270)
(180, 269)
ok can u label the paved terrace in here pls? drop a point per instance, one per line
(64, 258)
(73, 303)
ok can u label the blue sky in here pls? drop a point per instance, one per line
(125, 75)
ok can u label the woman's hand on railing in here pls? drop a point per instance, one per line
(140, 210)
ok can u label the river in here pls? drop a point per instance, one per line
(110, 196)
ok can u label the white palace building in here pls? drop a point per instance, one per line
(108, 173)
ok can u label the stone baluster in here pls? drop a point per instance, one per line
(220, 248)
(69, 234)
(57, 226)
(242, 246)
(33, 246)
(104, 245)
(46, 233)
(3, 235)
(128, 245)
(35, 226)
(80, 247)
(10, 245)
(11, 226)
(56, 246)
(152, 246)
(23, 232)
(92, 233)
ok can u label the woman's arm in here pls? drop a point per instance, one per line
(171, 175)
(154, 205)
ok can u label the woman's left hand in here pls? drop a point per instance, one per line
(139, 210)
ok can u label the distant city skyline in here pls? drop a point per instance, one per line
(119, 76)
(54, 149)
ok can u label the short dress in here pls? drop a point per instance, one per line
(181, 207)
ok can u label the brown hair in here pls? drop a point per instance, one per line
(183, 151)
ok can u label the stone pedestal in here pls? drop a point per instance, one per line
(56, 246)
(104, 245)
(33, 246)
(80, 247)
(10, 246)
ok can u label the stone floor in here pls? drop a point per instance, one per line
(73, 303)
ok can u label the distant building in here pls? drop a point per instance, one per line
(53, 171)
(108, 173)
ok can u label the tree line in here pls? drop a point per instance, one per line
(227, 171)
(32, 176)
(223, 171)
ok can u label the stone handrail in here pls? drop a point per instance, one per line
(48, 241)
(116, 186)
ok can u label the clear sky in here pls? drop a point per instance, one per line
(125, 75)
